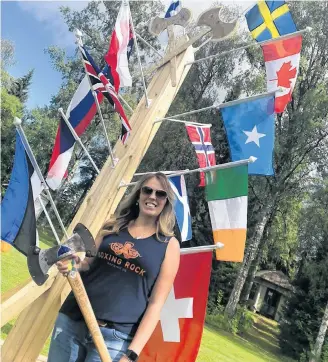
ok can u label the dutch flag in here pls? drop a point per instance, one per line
(181, 206)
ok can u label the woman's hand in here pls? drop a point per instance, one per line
(65, 266)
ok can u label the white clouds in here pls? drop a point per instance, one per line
(48, 13)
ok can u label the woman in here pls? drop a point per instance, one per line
(127, 282)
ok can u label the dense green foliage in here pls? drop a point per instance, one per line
(305, 309)
(286, 214)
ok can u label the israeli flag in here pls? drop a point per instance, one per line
(181, 206)
(173, 9)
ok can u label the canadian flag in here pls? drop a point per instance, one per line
(282, 60)
(177, 336)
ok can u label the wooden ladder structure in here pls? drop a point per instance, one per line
(38, 306)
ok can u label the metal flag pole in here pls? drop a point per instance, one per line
(283, 37)
(221, 105)
(165, 172)
(78, 35)
(181, 121)
(149, 45)
(202, 169)
(139, 60)
(201, 249)
(49, 220)
(77, 139)
(18, 125)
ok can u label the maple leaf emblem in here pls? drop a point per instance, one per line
(285, 74)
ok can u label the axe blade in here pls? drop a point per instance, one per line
(220, 29)
(158, 24)
(39, 261)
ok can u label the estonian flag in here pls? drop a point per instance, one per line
(18, 223)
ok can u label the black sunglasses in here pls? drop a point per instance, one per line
(160, 194)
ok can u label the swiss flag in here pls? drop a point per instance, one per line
(178, 335)
(282, 60)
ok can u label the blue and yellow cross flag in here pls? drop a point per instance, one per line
(269, 20)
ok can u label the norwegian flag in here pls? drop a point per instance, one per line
(178, 334)
(101, 84)
(120, 49)
(200, 136)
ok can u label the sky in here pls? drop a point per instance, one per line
(33, 26)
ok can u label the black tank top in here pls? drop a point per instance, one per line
(120, 280)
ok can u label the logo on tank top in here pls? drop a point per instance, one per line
(126, 249)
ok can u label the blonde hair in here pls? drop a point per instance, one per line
(128, 210)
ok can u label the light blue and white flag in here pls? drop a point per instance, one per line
(181, 206)
(250, 130)
(173, 9)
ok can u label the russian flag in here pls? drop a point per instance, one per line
(120, 49)
(80, 112)
(181, 206)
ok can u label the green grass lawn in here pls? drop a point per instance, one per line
(258, 345)
(221, 346)
(15, 274)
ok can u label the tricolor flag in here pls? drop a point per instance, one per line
(282, 59)
(200, 136)
(269, 19)
(173, 9)
(18, 223)
(181, 206)
(226, 193)
(80, 112)
(101, 84)
(178, 335)
(120, 48)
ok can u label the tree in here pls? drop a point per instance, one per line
(10, 107)
(7, 53)
(301, 133)
(305, 321)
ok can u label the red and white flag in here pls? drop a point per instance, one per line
(178, 335)
(120, 48)
(282, 60)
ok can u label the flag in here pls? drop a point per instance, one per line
(120, 48)
(178, 334)
(173, 9)
(200, 136)
(269, 20)
(181, 206)
(18, 223)
(282, 59)
(101, 84)
(80, 112)
(250, 130)
(226, 193)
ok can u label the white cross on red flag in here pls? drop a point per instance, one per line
(178, 335)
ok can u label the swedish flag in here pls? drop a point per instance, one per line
(270, 19)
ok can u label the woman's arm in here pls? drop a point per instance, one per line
(158, 296)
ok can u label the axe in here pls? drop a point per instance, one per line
(158, 25)
(210, 18)
(41, 260)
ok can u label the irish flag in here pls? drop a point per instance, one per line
(226, 193)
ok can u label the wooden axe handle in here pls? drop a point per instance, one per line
(75, 281)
